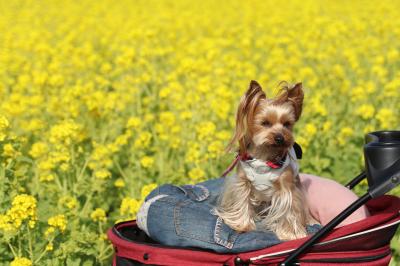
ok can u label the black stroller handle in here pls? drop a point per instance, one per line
(356, 180)
(382, 164)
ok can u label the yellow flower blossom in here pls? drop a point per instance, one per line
(133, 122)
(365, 111)
(143, 140)
(47, 177)
(147, 162)
(147, 189)
(23, 208)
(58, 221)
(102, 174)
(65, 133)
(205, 130)
(21, 261)
(49, 231)
(344, 135)
(119, 183)
(196, 174)
(215, 149)
(98, 215)
(49, 247)
(9, 151)
(386, 118)
(310, 130)
(129, 206)
(69, 202)
(4, 125)
(38, 149)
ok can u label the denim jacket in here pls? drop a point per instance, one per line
(183, 216)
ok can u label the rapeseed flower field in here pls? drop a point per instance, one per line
(103, 100)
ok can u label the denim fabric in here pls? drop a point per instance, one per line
(184, 218)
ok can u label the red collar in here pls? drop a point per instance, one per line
(271, 164)
(246, 157)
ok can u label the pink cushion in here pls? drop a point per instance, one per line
(327, 198)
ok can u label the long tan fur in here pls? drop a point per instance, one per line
(282, 208)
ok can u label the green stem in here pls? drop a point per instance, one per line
(120, 170)
(83, 169)
(12, 249)
(59, 183)
(31, 255)
(86, 203)
(19, 243)
(44, 251)
(103, 255)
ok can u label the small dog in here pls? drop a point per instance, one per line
(266, 188)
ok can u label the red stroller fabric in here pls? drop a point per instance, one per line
(366, 242)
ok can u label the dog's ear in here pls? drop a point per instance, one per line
(296, 97)
(245, 115)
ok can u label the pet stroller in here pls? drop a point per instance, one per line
(366, 242)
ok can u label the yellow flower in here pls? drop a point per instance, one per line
(38, 149)
(344, 135)
(133, 122)
(366, 111)
(143, 140)
(119, 183)
(69, 202)
(47, 177)
(47, 164)
(386, 118)
(4, 124)
(193, 153)
(147, 161)
(98, 215)
(21, 261)
(65, 133)
(129, 206)
(196, 174)
(206, 130)
(215, 148)
(167, 119)
(224, 135)
(49, 231)
(23, 208)
(310, 130)
(49, 247)
(358, 93)
(6, 223)
(58, 221)
(102, 174)
(326, 126)
(147, 189)
(9, 151)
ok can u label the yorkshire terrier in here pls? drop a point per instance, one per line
(266, 189)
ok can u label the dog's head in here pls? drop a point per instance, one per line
(264, 125)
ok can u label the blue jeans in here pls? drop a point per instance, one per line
(182, 216)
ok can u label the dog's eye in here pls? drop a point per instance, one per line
(286, 124)
(266, 124)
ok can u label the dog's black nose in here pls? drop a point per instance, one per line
(279, 139)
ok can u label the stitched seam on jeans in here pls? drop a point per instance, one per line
(205, 195)
(179, 230)
(226, 243)
(191, 191)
